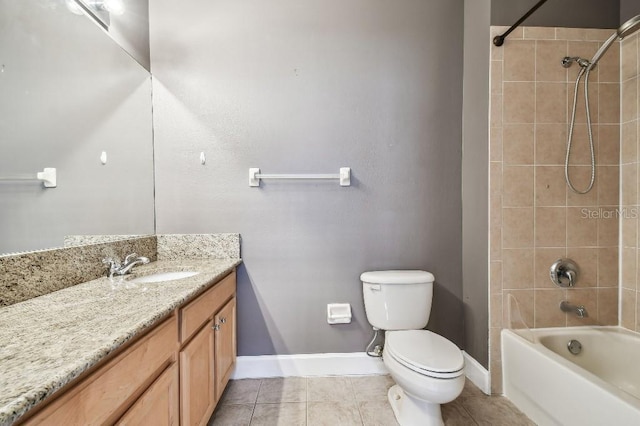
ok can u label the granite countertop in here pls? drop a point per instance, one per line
(48, 341)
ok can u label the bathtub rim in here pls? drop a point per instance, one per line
(567, 365)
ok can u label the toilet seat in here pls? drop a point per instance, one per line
(425, 353)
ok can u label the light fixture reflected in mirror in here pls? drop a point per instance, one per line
(115, 7)
(99, 10)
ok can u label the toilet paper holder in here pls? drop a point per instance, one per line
(338, 313)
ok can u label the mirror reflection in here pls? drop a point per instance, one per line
(74, 100)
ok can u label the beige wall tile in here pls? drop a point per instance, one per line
(580, 178)
(495, 180)
(598, 34)
(517, 186)
(609, 65)
(628, 314)
(550, 187)
(547, 308)
(517, 144)
(608, 144)
(628, 58)
(539, 33)
(550, 227)
(609, 106)
(495, 280)
(629, 181)
(517, 269)
(587, 261)
(608, 267)
(607, 306)
(496, 77)
(495, 344)
(497, 52)
(608, 226)
(496, 310)
(628, 271)
(519, 60)
(519, 102)
(629, 100)
(496, 111)
(629, 142)
(551, 143)
(496, 378)
(517, 227)
(495, 147)
(608, 178)
(495, 243)
(629, 234)
(571, 34)
(548, 56)
(582, 231)
(551, 103)
(543, 259)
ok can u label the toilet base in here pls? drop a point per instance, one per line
(413, 412)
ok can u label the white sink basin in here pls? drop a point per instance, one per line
(164, 276)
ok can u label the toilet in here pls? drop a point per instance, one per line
(428, 368)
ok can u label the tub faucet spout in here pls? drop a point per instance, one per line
(579, 310)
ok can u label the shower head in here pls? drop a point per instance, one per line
(626, 29)
(629, 27)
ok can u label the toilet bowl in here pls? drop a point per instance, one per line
(428, 370)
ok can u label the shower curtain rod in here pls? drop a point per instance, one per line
(499, 39)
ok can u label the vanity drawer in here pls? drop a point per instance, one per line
(105, 394)
(204, 306)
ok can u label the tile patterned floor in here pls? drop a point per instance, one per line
(346, 401)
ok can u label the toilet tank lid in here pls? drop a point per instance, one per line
(397, 277)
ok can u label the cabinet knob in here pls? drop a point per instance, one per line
(216, 327)
(223, 320)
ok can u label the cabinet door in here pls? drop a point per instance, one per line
(197, 397)
(158, 406)
(225, 345)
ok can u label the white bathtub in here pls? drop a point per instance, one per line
(599, 386)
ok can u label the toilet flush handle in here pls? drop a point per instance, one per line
(375, 287)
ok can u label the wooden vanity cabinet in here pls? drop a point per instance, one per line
(115, 387)
(173, 375)
(208, 348)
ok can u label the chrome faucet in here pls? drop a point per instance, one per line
(114, 266)
(579, 310)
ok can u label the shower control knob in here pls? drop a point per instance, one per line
(564, 273)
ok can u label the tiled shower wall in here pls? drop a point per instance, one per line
(534, 218)
(629, 159)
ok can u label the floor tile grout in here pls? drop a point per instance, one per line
(472, 407)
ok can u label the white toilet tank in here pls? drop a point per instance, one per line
(397, 300)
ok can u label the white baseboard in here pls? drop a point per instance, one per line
(338, 364)
(306, 365)
(475, 372)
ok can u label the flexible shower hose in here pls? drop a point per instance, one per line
(583, 71)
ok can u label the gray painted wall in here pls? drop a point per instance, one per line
(68, 93)
(629, 9)
(558, 13)
(475, 185)
(308, 86)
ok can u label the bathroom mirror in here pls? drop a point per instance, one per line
(71, 99)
